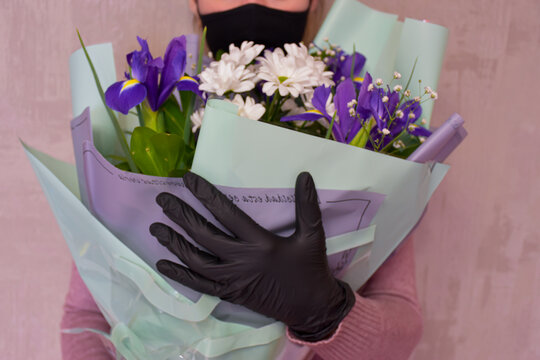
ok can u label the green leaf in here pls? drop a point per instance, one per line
(156, 153)
(177, 172)
(123, 166)
(362, 137)
(411, 144)
(173, 117)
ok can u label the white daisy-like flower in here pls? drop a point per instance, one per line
(248, 108)
(223, 76)
(244, 54)
(385, 131)
(280, 73)
(302, 58)
(196, 119)
(398, 88)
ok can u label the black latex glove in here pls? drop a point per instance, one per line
(286, 278)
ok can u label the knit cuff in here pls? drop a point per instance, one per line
(358, 331)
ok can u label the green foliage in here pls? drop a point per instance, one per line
(156, 153)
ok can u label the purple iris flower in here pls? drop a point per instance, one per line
(153, 79)
(319, 100)
(348, 124)
(342, 63)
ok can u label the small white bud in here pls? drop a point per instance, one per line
(412, 127)
(422, 139)
(417, 98)
(319, 53)
(342, 78)
(190, 55)
(352, 112)
(325, 39)
(385, 99)
(210, 55)
(407, 93)
(399, 144)
(399, 114)
(428, 90)
(193, 66)
(398, 88)
(370, 87)
(311, 45)
(397, 75)
(434, 95)
(342, 58)
(385, 131)
(379, 82)
(411, 115)
(423, 121)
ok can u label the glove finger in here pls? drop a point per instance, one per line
(308, 213)
(196, 259)
(195, 225)
(188, 277)
(234, 219)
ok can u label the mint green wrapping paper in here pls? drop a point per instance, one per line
(388, 44)
(235, 151)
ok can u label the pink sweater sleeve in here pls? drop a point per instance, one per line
(80, 311)
(385, 322)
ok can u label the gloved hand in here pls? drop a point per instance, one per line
(286, 278)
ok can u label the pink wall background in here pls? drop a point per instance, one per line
(478, 248)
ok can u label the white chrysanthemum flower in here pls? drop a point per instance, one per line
(196, 119)
(280, 73)
(248, 108)
(243, 55)
(223, 76)
(296, 73)
(303, 59)
(290, 107)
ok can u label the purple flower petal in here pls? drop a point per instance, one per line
(320, 97)
(188, 83)
(124, 95)
(173, 68)
(310, 115)
(345, 92)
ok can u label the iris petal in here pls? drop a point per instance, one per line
(187, 83)
(310, 115)
(124, 95)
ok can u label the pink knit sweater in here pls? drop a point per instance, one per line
(385, 322)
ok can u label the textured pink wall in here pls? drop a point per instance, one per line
(478, 248)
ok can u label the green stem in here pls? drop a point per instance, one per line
(329, 132)
(271, 108)
(140, 115)
(117, 128)
(393, 141)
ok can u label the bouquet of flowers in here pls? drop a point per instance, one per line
(246, 102)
